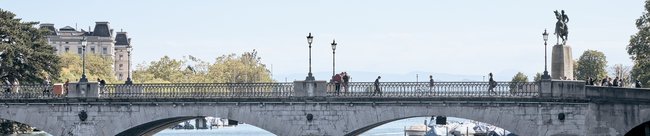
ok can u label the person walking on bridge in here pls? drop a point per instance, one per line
(346, 80)
(431, 84)
(491, 84)
(337, 83)
(377, 89)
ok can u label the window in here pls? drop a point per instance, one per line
(105, 50)
(121, 76)
(79, 50)
(121, 58)
(121, 66)
(92, 49)
(66, 42)
(67, 49)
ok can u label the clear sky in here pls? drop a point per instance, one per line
(393, 37)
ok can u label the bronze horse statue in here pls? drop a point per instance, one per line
(561, 29)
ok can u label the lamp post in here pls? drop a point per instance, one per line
(333, 57)
(84, 42)
(310, 77)
(128, 78)
(545, 76)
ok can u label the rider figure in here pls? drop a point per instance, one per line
(565, 18)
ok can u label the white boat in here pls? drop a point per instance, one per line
(416, 130)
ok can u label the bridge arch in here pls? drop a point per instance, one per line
(150, 122)
(375, 125)
(640, 130)
(509, 117)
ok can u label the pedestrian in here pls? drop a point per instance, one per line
(588, 82)
(604, 81)
(377, 89)
(492, 84)
(15, 86)
(102, 84)
(430, 83)
(616, 81)
(621, 83)
(337, 83)
(65, 86)
(637, 84)
(609, 82)
(46, 86)
(346, 80)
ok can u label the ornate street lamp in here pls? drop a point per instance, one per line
(545, 76)
(310, 77)
(83, 60)
(128, 78)
(333, 57)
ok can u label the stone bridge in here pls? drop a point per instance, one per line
(283, 108)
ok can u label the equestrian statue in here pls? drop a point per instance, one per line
(561, 29)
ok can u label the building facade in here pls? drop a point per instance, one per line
(100, 41)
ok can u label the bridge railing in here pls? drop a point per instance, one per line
(197, 90)
(28, 92)
(439, 89)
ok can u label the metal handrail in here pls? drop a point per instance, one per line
(439, 89)
(197, 90)
(282, 90)
(28, 92)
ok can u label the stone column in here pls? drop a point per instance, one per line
(83, 89)
(545, 88)
(561, 62)
(310, 88)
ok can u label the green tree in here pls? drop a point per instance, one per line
(25, 57)
(25, 54)
(165, 70)
(96, 67)
(246, 68)
(639, 47)
(592, 64)
(517, 82)
(537, 77)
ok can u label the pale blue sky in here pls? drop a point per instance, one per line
(380, 36)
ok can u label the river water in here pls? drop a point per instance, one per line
(395, 128)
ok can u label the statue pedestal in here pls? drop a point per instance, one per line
(561, 62)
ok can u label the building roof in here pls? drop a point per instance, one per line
(122, 39)
(67, 28)
(49, 27)
(102, 29)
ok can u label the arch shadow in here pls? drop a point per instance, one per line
(640, 130)
(372, 126)
(153, 127)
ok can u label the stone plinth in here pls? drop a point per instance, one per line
(83, 90)
(310, 88)
(561, 62)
